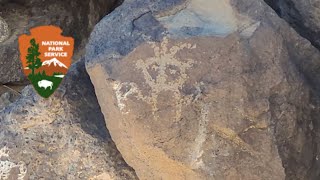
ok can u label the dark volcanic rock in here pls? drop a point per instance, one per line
(76, 18)
(304, 16)
(63, 137)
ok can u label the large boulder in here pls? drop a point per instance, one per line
(76, 18)
(63, 137)
(207, 90)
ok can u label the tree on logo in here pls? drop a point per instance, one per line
(33, 59)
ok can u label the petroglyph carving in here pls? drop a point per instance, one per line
(169, 74)
(196, 157)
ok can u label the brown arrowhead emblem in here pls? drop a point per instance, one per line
(46, 56)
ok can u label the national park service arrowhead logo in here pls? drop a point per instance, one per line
(46, 56)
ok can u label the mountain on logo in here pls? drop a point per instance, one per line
(55, 62)
(52, 66)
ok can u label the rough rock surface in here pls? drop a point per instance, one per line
(207, 90)
(304, 16)
(76, 18)
(62, 137)
(4, 30)
(8, 98)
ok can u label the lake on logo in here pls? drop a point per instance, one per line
(46, 56)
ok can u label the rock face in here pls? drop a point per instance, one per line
(207, 90)
(62, 137)
(76, 18)
(304, 16)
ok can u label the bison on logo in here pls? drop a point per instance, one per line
(46, 56)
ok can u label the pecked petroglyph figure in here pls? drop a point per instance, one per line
(165, 66)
